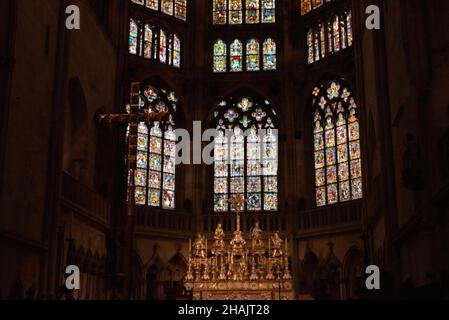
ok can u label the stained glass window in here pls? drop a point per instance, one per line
(153, 4)
(176, 8)
(220, 52)
(239, 11)
(236, 56)
(151, 43)
(181, 9)
(220, 11)
(163, 46)
(155, 175)
(246, 154)
(252, 55)
(309, 5)
(148, 42)
(167, 7)
(268, 11)
(252, 11)
(252, 51)
(269, 55)
(338, 168)
(329, 36)
(176, 51)
(133, 36)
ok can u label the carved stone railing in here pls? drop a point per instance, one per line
(81, 199)
(163, 220)
(347, 213)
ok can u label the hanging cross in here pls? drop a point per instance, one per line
(133, 118)
(236, 202)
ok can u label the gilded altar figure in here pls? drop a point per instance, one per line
(238, 243)
(199, 246)
(256, 235)
(219, 239)
(276, 241)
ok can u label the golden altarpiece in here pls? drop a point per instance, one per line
(239, 270)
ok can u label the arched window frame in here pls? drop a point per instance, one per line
(236, 56)
(337, 150)
(269, 55)
(156, 44)
(329, 36)
(252, 55)
(252, 169)
(220, 56)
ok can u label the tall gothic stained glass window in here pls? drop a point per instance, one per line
(338, 168)
(176, 51)
(163, 46)
(155, 174)
(147, 41)
(269, 11)
(220, 52)
(248, 57)
(329, 36)
(235, 12)
(133, 36)
(269, 55)
(167, 7)
(220, 11)
(181, 9)
(240, 11)
(246, 154)
(236, 56)
(252, 11)
(252, 55)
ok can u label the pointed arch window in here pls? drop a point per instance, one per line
(149, 42)
(329, 36)
(176, 51)
(155, 174)
(236, 56)
(220, 53)
(269, 55)
(338, 167)
(133, 36)
(246, 155)
(252, 55)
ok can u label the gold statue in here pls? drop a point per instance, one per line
(256, 235)
(219, 239)
(277, 242)
(199, 246)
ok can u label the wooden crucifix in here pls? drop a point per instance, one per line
(133, 118)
